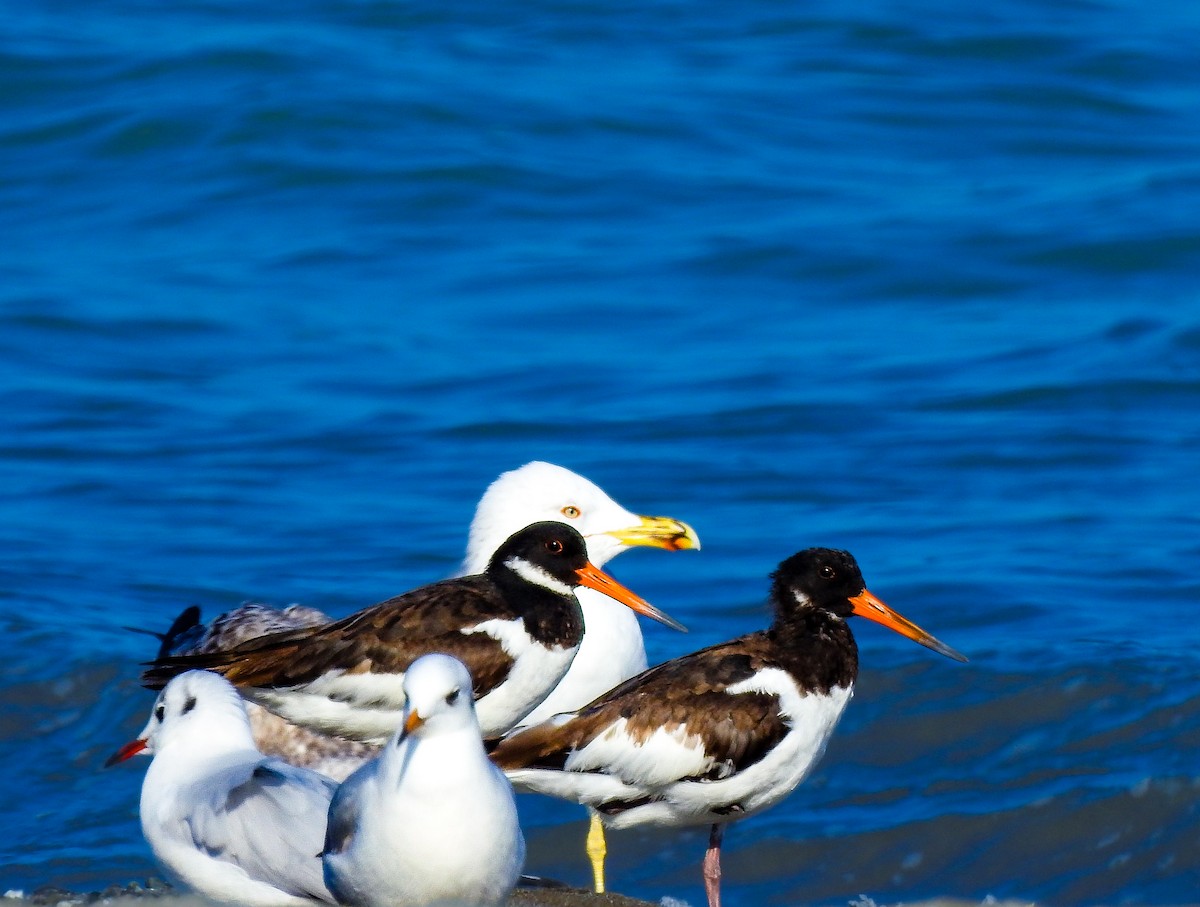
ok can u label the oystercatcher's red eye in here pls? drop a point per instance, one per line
(827, 572)
(554, 546)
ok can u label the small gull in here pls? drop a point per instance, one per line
(221, 818)
(431, 820)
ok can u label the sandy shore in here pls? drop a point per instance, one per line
(135, 893)
(571, 897)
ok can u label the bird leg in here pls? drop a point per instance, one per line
(597, 849)
(712, 866)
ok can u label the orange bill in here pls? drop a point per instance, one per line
(868, 606)
(132, 748)
(413, 721)
(595, 578)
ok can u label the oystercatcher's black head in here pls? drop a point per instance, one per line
(553, 556)
(829, 580)
(555, 550)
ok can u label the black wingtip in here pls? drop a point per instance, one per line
(188, 619)
(143, 631)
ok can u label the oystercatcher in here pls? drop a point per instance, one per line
(516, 627)
(722, 733)
(612, 649)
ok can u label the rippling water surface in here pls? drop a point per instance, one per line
(283, 287)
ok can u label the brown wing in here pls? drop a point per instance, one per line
(736, 729)
(385, 638)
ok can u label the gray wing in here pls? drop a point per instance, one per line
(268, 818)
(344, 812)
(187, 636)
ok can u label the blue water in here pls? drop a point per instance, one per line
(283, 287)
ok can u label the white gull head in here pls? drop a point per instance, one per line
(542, 491)
(439, 696)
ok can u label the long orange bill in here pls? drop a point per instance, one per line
(868, 606)
(132, 748)
(595, 578)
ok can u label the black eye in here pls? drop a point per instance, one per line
(554, 546)
(452, 697)
(160, 711)
(827, 572)
(570, 511)
(189, 705)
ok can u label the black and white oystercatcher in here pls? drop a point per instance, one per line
(516, 627)
(725, 732)
(612, 649)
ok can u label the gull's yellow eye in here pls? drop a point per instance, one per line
(571, 512)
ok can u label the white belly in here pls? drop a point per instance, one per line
(534, 673)
(435, 843)
(622, 769)
(612, 651)
(759, 786)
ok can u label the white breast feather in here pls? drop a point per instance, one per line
(611, 652)
(535, 671)
(811, 719)
(623, 770)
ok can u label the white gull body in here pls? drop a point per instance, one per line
(221, 818)
(430, 821)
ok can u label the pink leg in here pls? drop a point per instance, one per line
(712, 866)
